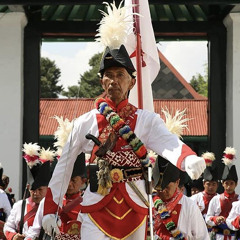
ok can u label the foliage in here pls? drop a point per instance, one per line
(73, 92)
(50, 75)
(90, 86)
(200, 83)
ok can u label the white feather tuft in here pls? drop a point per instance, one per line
(31, 149)
(229, 156)
(114, 26)
(152, 156)
(209, 157)
(0, 165)
(31, 155)
(46, 155)
(176, 124)
(62, 133)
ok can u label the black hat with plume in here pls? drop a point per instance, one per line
(229, 172)
(112, 34)
(39, 164)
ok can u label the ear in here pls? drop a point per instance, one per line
(133, 81)
(101, 81)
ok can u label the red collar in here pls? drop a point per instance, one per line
(31, 202)
(229, 196)
(73, 196)
(208, 195)
(119, 106)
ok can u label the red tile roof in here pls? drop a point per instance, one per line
(196, 110)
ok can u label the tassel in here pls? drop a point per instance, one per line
(104, 179)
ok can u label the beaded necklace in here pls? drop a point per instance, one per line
(167, 219)
(124, 130)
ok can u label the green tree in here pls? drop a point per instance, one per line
(200, 82)
(90, 86)
(50, 75)
(73, 92)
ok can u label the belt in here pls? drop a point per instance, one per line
(125, 173)
(224, 232)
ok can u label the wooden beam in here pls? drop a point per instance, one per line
(32, 39)
(89, 29)
(217, 93)
(78, 2)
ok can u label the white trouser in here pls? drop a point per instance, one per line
(89, 231)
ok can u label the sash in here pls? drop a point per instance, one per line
(31, 214)
(71, 204)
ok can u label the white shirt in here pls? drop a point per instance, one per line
(4, 203)
(14, 218)
(214, 209)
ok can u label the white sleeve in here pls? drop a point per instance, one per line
(6, 204)
(198, 225)
(152, 131)
(76, 144)
(213, 210)
(234, 216)
(11, 224)
(34, 230)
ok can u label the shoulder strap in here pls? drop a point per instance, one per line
(22, 216)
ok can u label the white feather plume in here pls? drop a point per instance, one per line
(62, 132)
(177, 123)
(114, 26)
(209, 157)
(31, 149)
(152, 156)
(229, 156)
(46, 155)
(0, 165)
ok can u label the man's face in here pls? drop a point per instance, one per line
(74, 185)
(229, 186)
(210, 187)
(117, 82)
(38, 194)
(168, 192)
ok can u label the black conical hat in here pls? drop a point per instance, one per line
(164, 172)
(39, 175)
(210, 174)
(230, 173)
(116, 58)
(79, 168)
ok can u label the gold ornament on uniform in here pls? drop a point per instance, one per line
(116, 175)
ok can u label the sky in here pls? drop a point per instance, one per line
(72, 58)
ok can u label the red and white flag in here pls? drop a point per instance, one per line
(150, 58)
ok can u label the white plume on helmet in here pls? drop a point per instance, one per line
(114, 26)
(229, 156)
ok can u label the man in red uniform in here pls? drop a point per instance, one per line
(23, 212)
(210, 184)
(176, 216)
(70, 225)
(220, 205)
(114, 209)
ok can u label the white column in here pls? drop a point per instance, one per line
(232, 23)
(11, 96)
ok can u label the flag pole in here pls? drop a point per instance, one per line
(138, 53)
(140, 99)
